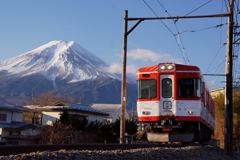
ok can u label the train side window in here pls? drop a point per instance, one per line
(197, 87)
(166, 88)
(146, 89)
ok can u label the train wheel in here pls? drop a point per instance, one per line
(208, 135)
(198, 136)
(191, 129)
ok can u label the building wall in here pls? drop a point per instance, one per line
(13, 116)
(49, 117)
(90, 117)
(17, 116)
(30, 131)
(215, 92)
(9, 116)
(114, 111)
(4, 133)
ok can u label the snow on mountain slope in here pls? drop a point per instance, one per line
(58, 59)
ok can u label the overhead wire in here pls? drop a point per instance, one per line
(226, 4)
(190, 13)
(198, 8)
(217, 66)
(175, 21)
(236, 38)
(178, 33)
(234, 47)
(157, 16)
(217, 70)
(167, 28)
(221, 45)
(214, 58)
(181, 41)
(221, 28)
(202, 29)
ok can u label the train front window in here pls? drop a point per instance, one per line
(189, 87)
(146, 88)
(166, 88)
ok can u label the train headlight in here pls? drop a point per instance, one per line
(163, 67)
(167, 105)
(146, 113)
(170, 67)
(166, 67)
(190, 112)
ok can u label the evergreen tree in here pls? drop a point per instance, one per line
(64, 117)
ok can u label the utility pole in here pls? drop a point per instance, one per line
(32, 97)
(123, 93)
(228, 110)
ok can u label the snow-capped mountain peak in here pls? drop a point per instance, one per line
(58, 59)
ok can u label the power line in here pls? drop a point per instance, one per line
(202, 29)
(214, 58)
(235, 41)
(168, 29)
(175, 21)
(219, 69)
(198, 7)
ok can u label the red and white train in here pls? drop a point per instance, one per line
(174, 104)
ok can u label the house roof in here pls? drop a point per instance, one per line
(12, 108)
(114, 110)
(70, 107)
(16, 125)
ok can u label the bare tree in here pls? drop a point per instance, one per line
(58, 133)
(219, 119)
(49, 99)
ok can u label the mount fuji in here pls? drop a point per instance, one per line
(64, 68)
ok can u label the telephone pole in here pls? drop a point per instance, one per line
(123, 93)
(228, 110)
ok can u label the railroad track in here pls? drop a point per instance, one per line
(18, 149)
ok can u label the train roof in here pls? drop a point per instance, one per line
(178, 67)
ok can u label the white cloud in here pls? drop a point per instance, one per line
(131, 69)
(141, 55)
(114, 68)
(147, 55)
(117, 68)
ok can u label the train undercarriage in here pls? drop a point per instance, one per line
(169, 131)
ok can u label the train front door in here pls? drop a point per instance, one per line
(166, 95)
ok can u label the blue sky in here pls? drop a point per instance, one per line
(98, 27)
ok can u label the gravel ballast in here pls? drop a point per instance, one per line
(159, 153)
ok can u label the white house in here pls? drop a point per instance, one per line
(52, 113)
(12, 130)
(114, 111)
(217, 91)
